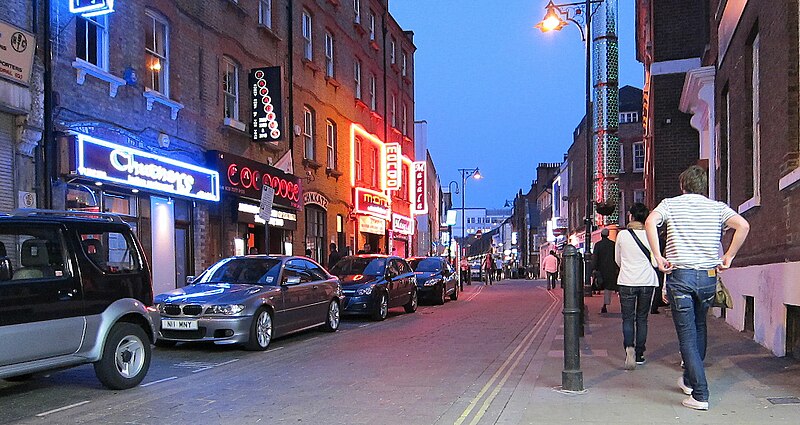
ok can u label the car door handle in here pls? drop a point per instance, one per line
(66, 295)
(314, 287)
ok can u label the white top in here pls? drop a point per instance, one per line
(694, 230)
(634, 268)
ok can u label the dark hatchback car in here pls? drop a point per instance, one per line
(436, 279)
(250, 300)
(372, 284)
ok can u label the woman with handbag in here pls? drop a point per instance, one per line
(637, 281)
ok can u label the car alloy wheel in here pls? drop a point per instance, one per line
(260, 331)
(126, 357)
(442, 293)
(129, 356)
(411, 306)
(383, 308)
(334, 317)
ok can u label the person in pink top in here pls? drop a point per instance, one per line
(551, 268)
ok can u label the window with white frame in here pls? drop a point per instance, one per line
(373, 167)
(393, 111)
(357, 10)
(156, 35)
(621, 158)
(403, 63)
(308, 52)
(91, 40)
(371, 26)
(392, 51)
(308, 133)
(404, 120)
(756, 120)
(357, 159)
(331, 144)
(628, 117)
(373, 98)
(265, 13)
(230, 88)
(357, 78)
(638, 196)
(638, 156)
(329, 55)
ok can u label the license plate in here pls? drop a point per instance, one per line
(179, 325)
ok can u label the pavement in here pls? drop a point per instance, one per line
(745, 380)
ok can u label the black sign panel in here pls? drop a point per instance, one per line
(267, 116)
(245, 177)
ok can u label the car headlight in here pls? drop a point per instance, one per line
(227, 309)
(365, 290)
(431, 282)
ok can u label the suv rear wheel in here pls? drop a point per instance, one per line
(126, 357)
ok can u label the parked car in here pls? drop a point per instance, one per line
(372, 284)
(74, 289)
(436, 279)
(250, 300)
(475, 271)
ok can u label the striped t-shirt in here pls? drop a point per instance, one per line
(694, 229)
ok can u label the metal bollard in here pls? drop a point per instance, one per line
(582, 292)
(572, 376)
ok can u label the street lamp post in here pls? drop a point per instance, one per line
(450, 226)
(580, 14)
(465, 174)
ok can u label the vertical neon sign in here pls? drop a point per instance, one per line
(419, 203)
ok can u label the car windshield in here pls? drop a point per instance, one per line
(362, 266)
(425, 264)
(258, 271)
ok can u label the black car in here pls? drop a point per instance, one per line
(372, 284)
(436, 279)
(74, 289)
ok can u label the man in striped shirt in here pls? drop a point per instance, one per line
(694, 228)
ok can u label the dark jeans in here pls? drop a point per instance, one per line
(551, 280)
(690, 294)
(635, 302)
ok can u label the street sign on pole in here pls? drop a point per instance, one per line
(265, 208)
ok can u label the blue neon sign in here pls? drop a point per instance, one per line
(87, 8)
(106, 161)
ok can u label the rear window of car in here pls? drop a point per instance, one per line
(363, 266)
(425, 264)
(31, 252)
(111, 252)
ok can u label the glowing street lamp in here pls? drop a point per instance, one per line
(551, 21)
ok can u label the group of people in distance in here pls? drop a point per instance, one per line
(638, 264)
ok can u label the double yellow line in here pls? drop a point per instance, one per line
(515, 357)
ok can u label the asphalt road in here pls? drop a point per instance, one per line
(453, 364)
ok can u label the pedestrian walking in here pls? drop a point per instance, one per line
(694, 228)
(488, 265)
(605, 264)
(465, 277)
(334, 256)
(636, 282)
(551, 268)
(498, 269)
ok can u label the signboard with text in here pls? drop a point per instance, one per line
(87, 8)
(267, 113)
(16, 53)
(367, 224)
(419, 203)
(393, 164)
(372, 203)
(245, 177)
(105, 161)
(402, 224)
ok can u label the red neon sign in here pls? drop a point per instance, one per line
(372, 203)
(419, 204)
(393, 164)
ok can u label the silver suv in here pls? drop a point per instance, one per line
(74, 288)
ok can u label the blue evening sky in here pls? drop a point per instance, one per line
(496, 92)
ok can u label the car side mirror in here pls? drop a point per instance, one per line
(6, 271)
(291, 280)
(190, 279)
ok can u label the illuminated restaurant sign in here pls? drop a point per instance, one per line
(419, 203)
(367, 224)
(402, 224)
(372, 203)
(87, 8)
(265, 86)
(393, 164)
(245, 177)
(110, 162)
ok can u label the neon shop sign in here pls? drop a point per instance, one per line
(88, 8)
(393, 163)
(372, 203)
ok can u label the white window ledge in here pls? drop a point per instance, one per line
(232, 123)
(85, 68)
(749, 204)
(789, 179)
(153, 96)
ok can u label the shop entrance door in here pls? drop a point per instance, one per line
(163, 233)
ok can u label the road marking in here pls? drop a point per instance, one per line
(515, 356)
(159, 381)
(61, 409)
(215, 365)
(364, 325)
(274, 349)
(476, 293)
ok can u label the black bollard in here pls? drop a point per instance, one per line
(581, 285)
(571, 376)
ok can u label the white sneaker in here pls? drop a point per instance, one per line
(630, 358)
(685, 388)
(691, 403)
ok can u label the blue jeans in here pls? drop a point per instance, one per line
(635, 302)
(690, 294)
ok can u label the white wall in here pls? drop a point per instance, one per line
(163, 232)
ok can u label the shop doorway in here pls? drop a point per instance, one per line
(315, 232)
(163, 238)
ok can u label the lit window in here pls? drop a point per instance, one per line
(357, 9)
(357, 155)
(371, 25)
(638, 156)
(308, 132)
(331, 144)
(307, 47)
(230, 88)
(265, 13)
(357, 78)
(156, 36)
(373, 98)
(91, 38)
(329, 55)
